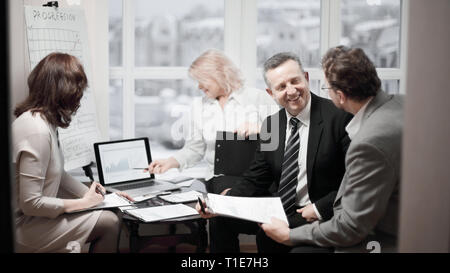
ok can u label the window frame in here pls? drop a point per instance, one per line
(240, 31)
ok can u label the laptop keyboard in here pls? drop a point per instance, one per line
(133, 186)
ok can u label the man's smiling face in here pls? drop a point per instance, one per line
(289, 86)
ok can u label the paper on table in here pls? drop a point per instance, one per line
(186, 184)
(188, 196)
(176, 179)
(123, 209)
(111, 200)
(144, 197)
(152, 214)
(173, 176)
(256, 209)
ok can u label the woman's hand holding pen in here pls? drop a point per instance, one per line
(162, 165)
(93, 197)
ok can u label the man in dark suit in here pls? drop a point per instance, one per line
(366, 205)
(300, 158)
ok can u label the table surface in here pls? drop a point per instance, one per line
(197, 185)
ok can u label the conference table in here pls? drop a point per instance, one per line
(196, 225)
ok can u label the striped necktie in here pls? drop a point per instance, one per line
(288, 181)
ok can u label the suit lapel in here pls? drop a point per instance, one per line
(380, 99)
(315, 134)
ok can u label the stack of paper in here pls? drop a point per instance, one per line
(256, 209)
(174, 177)
(183, 197)
(153, 214)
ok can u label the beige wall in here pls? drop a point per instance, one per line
(96, 13)
(425, 189)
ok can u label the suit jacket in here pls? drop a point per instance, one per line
(327, 145)
(366, 205)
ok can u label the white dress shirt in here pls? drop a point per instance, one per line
(207, 117)
(354, 125)
(302, 186)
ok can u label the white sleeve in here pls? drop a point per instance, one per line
(317, 212)
(194, 148)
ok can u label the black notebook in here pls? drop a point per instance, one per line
(234, 153)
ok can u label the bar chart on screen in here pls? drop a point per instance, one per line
(64, 30)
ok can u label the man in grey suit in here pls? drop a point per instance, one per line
(366, 206)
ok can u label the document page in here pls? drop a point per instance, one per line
(153, 214)
(256, 209)
(174, 177)
(183, 197)
(111, 200)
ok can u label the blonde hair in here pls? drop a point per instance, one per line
(214, 64)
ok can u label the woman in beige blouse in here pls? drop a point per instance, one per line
(56, 86)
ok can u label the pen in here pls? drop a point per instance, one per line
(140, 169)
(98, 189)
(201, 205)
(88, 172)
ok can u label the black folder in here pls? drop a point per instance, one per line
(234, 153)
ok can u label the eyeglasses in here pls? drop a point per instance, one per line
(323, 87)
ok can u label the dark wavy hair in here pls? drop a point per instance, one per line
(352, 72)
(56, 86)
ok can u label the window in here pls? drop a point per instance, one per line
(289, 25)
(158, 105)
(391, 86)
(152, 43)
(174, 32)
(115, 109)
(115, 32)
(374, 26)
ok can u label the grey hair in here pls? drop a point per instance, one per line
(279, 59)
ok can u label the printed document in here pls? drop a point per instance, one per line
(256, 209)
(183, 197)
(111, 200)
(153, 214)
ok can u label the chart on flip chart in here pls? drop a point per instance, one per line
(64, 30)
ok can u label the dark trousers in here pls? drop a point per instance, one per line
(224, 234)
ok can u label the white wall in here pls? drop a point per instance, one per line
(97, 27)
(425, 190)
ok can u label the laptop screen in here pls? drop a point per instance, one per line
(122, 161)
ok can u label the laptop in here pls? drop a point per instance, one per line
(121, 166)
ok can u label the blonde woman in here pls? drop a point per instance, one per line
(228, 105)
